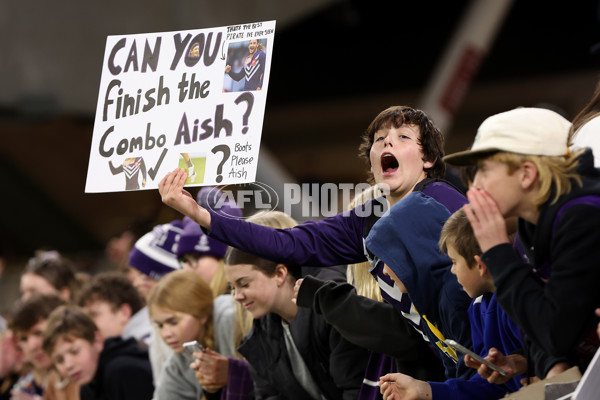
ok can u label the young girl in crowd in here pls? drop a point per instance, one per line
(229, 374)
(292, 351)
(184, 309)
(525, 170)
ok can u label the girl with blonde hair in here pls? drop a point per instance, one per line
(184, 309)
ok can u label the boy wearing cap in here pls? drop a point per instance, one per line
(525, 170)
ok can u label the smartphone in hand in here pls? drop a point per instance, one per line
(192, 347)
(458, 347)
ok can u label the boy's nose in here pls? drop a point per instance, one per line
(476, 182)
(68, 364)
(33, 343)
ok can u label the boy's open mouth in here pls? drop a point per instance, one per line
(389, 163)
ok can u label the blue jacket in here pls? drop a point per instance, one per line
(412, 253)
(490, 327)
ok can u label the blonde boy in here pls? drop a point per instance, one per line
(525, 170)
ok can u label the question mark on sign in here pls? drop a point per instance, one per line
(226, 152)
(249, 99)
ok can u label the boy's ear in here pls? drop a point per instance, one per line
(480, 266)
(125, 309)
(65, 293)
(98, 342)
(429, 164)
(529, 174)
(203, 320)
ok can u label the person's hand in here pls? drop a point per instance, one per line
(557, 369)
(403, 387)
(227, 69)
(489, 226)
(20, 395)
(297, 289)
(143, 182)
(211, 368)
(175, 196)
(514, 364)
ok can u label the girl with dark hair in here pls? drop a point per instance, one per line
(292, 351)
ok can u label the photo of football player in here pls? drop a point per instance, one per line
(131, 167)
(250, 67)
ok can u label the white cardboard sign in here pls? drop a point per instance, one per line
(190, 99)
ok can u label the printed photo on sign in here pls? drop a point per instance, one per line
(194, 165)
(245, 67)
(133, 169)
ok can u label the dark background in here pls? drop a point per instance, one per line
(335, 65)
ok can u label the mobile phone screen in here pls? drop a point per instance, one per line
(193, 346)
(464, 350)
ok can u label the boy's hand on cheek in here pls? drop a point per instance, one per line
(489, 226)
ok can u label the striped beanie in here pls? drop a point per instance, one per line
(155, 253)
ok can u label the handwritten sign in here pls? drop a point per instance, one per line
(190, 99)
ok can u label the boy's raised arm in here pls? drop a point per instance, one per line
(175, 196)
